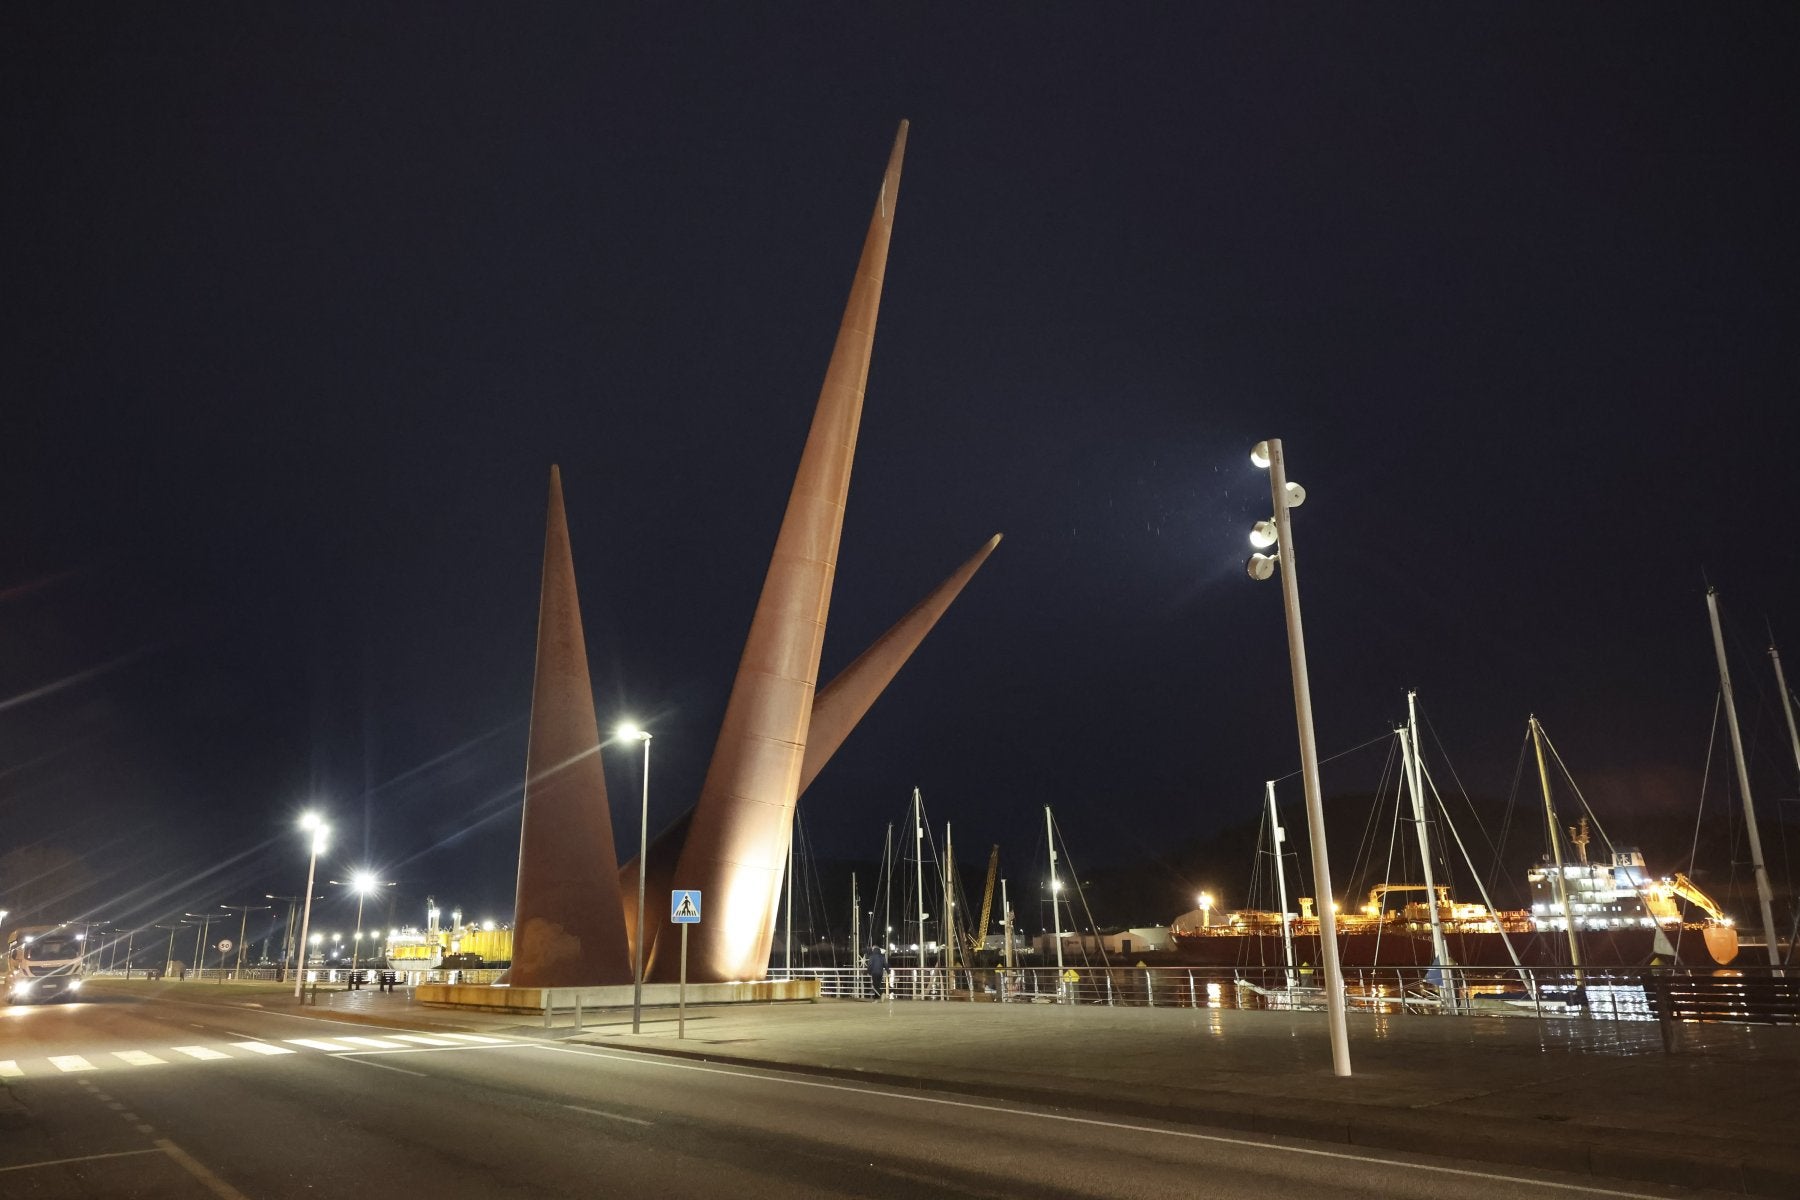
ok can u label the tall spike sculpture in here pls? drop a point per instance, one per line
(738, 841)
(836, 710)
(569, 925)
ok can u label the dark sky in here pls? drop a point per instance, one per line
(301, 305)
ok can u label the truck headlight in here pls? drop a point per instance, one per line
(22, 987)
(74, 985)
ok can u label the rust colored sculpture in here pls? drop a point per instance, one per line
(775, 738)
(569, 927)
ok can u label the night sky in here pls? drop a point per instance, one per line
(302, 304)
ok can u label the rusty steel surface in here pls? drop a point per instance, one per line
(737, 845)
(843, 702)
(569, 926)
(837, 709)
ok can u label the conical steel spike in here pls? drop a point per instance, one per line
(568, 926)
(736, 847)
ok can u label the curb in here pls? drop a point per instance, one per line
(1639, 1158)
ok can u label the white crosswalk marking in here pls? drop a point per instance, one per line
(262, 1048)
(201, 1052)
(10, 1069)
(319, 1044)
(70, 1062)
(476, 1037)
(375, 1042)
(138, 1058)
(423, 1040)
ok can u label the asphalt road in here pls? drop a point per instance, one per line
(138, 1098)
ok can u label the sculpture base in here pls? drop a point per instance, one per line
(486, 998)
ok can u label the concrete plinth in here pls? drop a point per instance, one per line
(487, 998)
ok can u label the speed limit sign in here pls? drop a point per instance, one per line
(224, 945)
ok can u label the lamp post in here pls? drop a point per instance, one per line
(201, 940)
(362, 883)
(312, 823)
(1278, 532)
(631, 733)
(243, 925)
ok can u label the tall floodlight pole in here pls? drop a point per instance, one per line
(1763, 895)
(1278, 531)
(631, 733)
(314, 825)
(1055, 895)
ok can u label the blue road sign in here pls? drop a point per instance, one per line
(684, 907)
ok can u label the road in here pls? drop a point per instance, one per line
(130, 1097)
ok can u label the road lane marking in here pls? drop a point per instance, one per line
(370, 1062)
(1188, 1134)
(476, 1037)
(318, 1044)
(138, 1058)
(377, 1043)
(423, 1040)
(63, 1162)
(70, 1062)
(262, 1048)
(10, 1069)
(611, 1116)
(201, 1052)
(194, 1167)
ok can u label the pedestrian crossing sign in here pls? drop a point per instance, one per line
(684, 907)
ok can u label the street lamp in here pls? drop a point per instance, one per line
(362, 883)
(312, 823)
(201, 940)
(631, 733)
(1278, 533)
(243, 927)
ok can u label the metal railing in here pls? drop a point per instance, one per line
(1748, 994)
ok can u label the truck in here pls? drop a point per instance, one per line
(43, 962)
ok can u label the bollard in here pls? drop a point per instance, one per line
(1193, 997)
(1149, 987)
(577, 1012)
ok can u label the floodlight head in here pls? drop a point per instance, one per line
(629, 732)
(1263, 534)
(310, 820)
(1205, 899)
(1260, 566)
(1259, 455)
(1296, 495)
(363, 883)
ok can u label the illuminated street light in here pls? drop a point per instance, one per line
(362, 883)
(314, 825)
(1286, 496)
(628, 732)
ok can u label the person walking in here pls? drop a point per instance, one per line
(877, 964)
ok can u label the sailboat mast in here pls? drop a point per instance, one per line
(887, 902)
(1277, 836)
(919, 869)
(1409, 750)
(949, 905)
(1787, 704)
(1562, 880)
(1006, 922)
(1763, 895)
(855, 921)
(787, 953)
(1055, 889)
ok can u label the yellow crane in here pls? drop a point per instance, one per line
(987, 899)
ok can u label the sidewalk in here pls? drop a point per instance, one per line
(1598, 1097)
